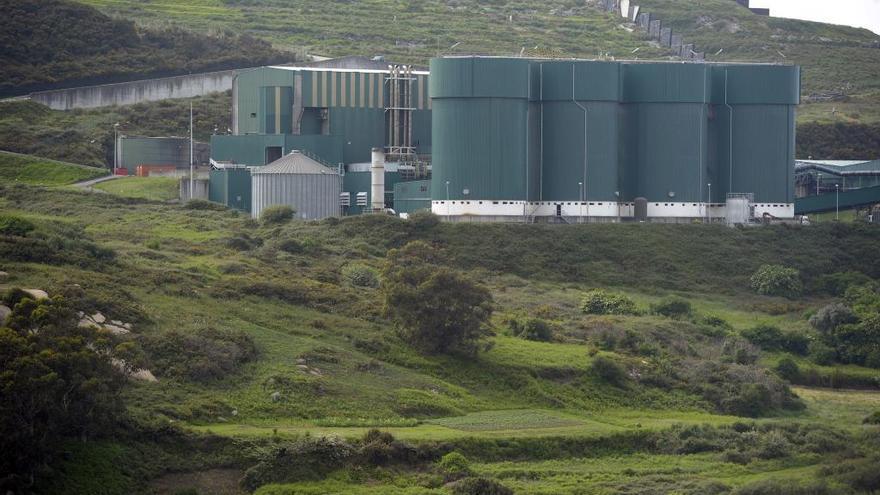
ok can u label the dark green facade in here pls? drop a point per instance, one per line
(412, 196)
(533, 130)
(231, 187)
(337, 115)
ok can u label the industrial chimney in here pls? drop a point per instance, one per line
(378, 180)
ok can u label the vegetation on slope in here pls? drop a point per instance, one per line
(839, 60)
(255, 332)
(151, 188)
(99, 49)
(86, 136)
(23, 169)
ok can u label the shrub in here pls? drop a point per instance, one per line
(534, 329)
(608, 370)
(601, 302)
(836, 284)
(672, 307)
(201, 204)
(276, 214)
(480, 486)
(454, 465)
(822, 354)
(873, 419)
(15, 226)
(204, 355)
(771, 338)
(788, 369)
(291, 246)
(423, 220)
(436, 310)
(832, 316)
(361, 275)
(306, 459)
(777, 280)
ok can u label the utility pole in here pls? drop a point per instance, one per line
(115, 146)
(837, 202)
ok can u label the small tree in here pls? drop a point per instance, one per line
(436, 309)
(601, 302)
(276, 214)
(777, 280)
(361, 275)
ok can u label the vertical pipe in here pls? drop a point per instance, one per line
(585, 136)
(377, 174)
(730, 135)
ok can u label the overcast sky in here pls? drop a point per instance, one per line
(859, 13)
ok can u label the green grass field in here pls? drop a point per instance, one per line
(24, 169)
(152, 188)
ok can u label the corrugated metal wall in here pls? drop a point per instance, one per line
(314, 196)
(136, 151)
(658, 130)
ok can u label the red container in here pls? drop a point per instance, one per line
(120, 171)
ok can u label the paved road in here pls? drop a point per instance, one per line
(87, 184)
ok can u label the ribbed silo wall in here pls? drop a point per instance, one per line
(581, 106)
(314, 196)
(667, 124)
(479, 129)
(755, 130)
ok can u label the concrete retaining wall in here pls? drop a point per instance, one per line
(129, 93)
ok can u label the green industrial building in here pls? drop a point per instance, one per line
(515, 139)
(335, 113)
(518, 139)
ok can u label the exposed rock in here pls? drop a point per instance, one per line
(86, 322)
(235, 412)
(302, 367)
(300, 361)
(37, 294)
(276, 396)
(144, 375)
(116, 330)
(315, 372)
(3, 275)
(127, 325)
(99, 318)
(4, 312)
(117, 323)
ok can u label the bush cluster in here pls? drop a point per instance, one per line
(771, 338)
(608, 370)
(672, 307)
(535, 329)
(361, 275)
(205, 355)
(602, 302)
(777, 280)
(15, 226)
(276, 214)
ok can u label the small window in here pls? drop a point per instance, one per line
(253, 115)
(494, 202)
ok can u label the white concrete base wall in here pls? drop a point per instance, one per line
(501, 210)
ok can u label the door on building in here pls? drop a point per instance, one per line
(272, 153)
(558, 210)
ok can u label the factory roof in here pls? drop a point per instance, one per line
(844, 165)
(294, 163)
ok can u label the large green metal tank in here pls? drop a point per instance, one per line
(756, 115)
(666, 126)
(580, 118)
(480, 128)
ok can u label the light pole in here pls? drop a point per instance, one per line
(115, 146)
(837, 202)
(818, 177)
(581, 201)
(617, 196)
(447, 200)
(709, 217)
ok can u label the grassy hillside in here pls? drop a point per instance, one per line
(538, 416)
(835, 59)
(99, 49)
(23, 169)
(86, 136)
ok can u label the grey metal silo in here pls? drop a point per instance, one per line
(299, 181)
